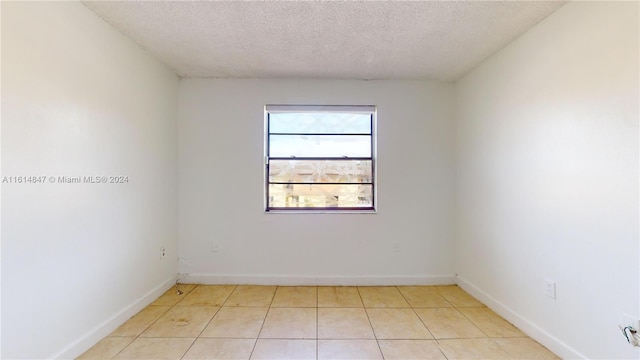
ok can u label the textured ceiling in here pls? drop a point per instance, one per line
(437, 40)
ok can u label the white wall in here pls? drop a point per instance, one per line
(80, 99)
(547, 179)
(221, 135)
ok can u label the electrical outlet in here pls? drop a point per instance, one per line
(396, 246)
(163, 253)
(626, 323)
(550, 288)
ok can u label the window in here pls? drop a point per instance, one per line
(320, 157)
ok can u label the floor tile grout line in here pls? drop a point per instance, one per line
(189, 348)
(121, 350)
(416, 313)
(442, 351)
(457, 308)
(206, 325)
(422, 307)
(451, 305)
(328, 338)
(220, 308)
(153, 322)
(493, 340)
(442, 296)
(473, 322)
(481, 327)
(370, 323)
(331, 338)
(138, 336)
(263, 322)
(228, 296)
(185, 293)
(477, 323)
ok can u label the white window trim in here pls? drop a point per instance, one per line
(281, 108)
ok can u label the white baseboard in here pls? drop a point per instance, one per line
(535, 332)
(84, 343)
(288, 280)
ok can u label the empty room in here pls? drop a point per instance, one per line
(320, 180)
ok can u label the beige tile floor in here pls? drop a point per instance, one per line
(309, 322)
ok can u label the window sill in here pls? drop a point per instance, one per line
(322, 211)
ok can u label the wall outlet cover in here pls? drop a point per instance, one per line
(550, 289)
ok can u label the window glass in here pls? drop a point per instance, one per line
(320, 158)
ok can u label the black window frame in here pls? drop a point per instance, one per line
(370, 109)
